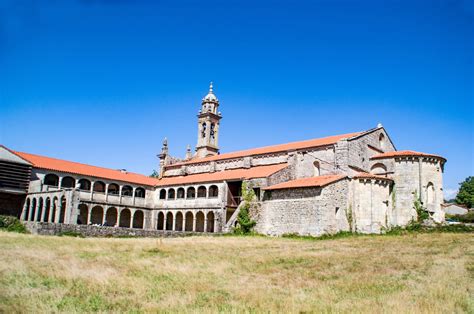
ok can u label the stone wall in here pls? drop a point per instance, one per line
(44, 228)
(304, 211)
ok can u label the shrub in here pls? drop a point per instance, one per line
(466, 218)
(70, 234)
(13, 224)
(244, 223)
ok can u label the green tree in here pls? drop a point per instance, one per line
(245, 223)
(154, 174)
(466, 193)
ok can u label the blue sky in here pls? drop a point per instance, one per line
(103, 82)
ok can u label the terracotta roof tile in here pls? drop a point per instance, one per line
(232, 174)
(405, 153)
(307, 182)
(54, 164)
(274, 149)
(365, 175)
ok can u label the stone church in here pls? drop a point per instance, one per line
(349, 182)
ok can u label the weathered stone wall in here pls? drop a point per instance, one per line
(370, 204)
(362, 148)
(44, 228)
(305, 211)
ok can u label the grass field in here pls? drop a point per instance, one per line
(411, 273)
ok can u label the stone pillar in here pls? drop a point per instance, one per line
(205, 222)
(216, 221)
(23, 211)
(173, 226)
(89, 212)
(132, 214)
(104, 215)
(194, 223)
(106, 192)
(92, 191)
(38, 209)
(133, 197)
(60, 181)
(164, 219)
(51, 206)
(184, 222)
(57, 214)
(120, 194)
(77, 184)
(30, 213)
(117, 221)
(43, 211)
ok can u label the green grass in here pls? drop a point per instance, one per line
(412, 272)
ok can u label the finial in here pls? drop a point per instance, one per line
(188, 148)
(165, 142)
(210, 88)
(379, 125)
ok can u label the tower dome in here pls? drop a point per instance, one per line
(210, 97)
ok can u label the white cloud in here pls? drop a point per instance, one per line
(450, 193)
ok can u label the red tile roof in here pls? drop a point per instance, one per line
(232, 174)
(54, 164)
(365, 175)
(273, 149)
(405, 153)
(307, 182)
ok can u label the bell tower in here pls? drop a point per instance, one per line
(208, 126)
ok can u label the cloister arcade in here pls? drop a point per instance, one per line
(189, 193)
(110, 216)
(86, 185)
(44, 209)
(187, 220)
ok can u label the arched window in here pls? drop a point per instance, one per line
(430, 194)
(127, 190)
(99, 187)
(68, 182)
(138, 219)
(202, 192)
(111, 217)
(125, 216)
(162, 194)
(113, 189)
(378, 168)
(200, 221)
(171, 194)
(213, 191)
(84, 185)
(382, 140)
(180, 193)
(83, 214)
(210, 222)
(317, 168)
(51, 179)
(140, 192)
(191, 193)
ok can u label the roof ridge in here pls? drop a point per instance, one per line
(75, 162)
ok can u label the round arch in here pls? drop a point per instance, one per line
(68, 182)
(189, 221)
(138, 219)
(83, 214)
(200, 222)
(179, 222)
(51, 179)
(213, 191)
(99, 187)
(125, 217)
(111, 217)
(97, 215)
(84, 185)
(127, 190)
(210, 222)
(140, 192)
(161, 221)
(171, 194)
(169, 221)
(202, 192)
(191, 193)
(47, 209)
(113, 189)
(180, 193)
(40, 210)
(162, 194)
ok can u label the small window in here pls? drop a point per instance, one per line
(191, 193)
(162, 194)
(171, 194)
(180, 193)
(382, 140)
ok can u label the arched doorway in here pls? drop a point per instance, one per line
(169, 221)
(189, 221)
(161, 221)
(83, 214)
(111, 217)
(125, 217)
(138, 219)
(97, 215)
(179, 222)
(47, 209)
(210, 222)
(200, 222)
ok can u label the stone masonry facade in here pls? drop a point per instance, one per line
(351, 182)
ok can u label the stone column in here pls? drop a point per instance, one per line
(38, 209)
(216, 221)
(23, 211)
(104, 215)
(133, 197)
(50, 216)
(120, 194)
(117, 221)
(30, 213)
(60, 180)
(164, 220)
(194, 222)
(43, 211)
(106, 192)
(205, 222)
(173, 226)
(184, 222)
(57, 214)
(92, 190)
(89, 212)
(132, 214)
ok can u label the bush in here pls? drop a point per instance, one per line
(13, 224)
(466, 218)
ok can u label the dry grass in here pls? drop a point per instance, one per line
(413, 273)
